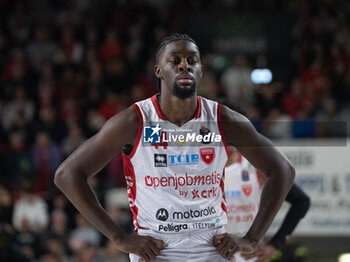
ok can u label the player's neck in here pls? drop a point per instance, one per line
(176, 110)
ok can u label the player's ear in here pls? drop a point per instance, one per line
(157, 71)
(201, 74)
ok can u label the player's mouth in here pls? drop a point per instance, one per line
(185, 79)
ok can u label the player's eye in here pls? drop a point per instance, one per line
(174, 60)
(192, 60)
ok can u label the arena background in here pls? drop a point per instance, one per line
(68, 66)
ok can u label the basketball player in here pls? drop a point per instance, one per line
(176, 192)
(243, 185)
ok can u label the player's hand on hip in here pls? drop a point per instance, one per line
(227, 245)
(145, 247)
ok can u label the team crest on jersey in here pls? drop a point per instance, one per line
(204, 131)
(245, 175)
(160, 160)
(207, 154)
(247, 189)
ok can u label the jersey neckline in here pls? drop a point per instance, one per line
(161, 115)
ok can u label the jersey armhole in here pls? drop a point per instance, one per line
(259, 178)
(139, 133)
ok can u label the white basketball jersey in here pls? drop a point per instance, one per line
(243, 191)
(173, 185)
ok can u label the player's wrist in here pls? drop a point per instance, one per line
(118, 238)
(252, 239)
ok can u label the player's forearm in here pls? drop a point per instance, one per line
(274, 192)
(81, 195)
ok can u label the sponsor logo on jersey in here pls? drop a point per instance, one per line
(245, 175)
(152, 134)
(247, 189)
(194, 213)
(178, 160)
(187, 137)
(172, 228)
(177, 181)
(162, 214)
(207, 154)
(160, 160)
(203, 225)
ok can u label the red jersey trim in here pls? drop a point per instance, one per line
(160, 113)
(139, 133)
(239, 158)
(258, 177)
(130, 178)
(199, 108)
(157, 107)
(222, 187)
(221, 130)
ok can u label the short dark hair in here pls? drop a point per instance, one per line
(173, 37)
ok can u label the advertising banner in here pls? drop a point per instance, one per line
(323, 172)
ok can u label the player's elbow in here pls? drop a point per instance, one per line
(291, 172)
(62, 176)
(287, 171)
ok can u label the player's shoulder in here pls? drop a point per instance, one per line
(127, 118)
(232, 115)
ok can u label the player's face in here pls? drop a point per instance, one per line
(180, 68)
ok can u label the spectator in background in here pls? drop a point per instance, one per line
(55, 247)
(41, 49)
(19, 23)
(84, 238)
(47, 157)
(68, 50)
(6, 229)
(59, 225)
(111, 105)
(94, 122)
(20, 105)
(6, 208)
(330, 123)
(208, 86)
(70, 111)
(18, 163)
(16, 70)
(117, 80)
(74, 139)
(292, 98)
(237, 84)
(277, 125)
(30, 211)
(25, 244)
(111, 48)
(109, 253)
(268, 97)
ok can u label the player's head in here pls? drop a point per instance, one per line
(178, 65)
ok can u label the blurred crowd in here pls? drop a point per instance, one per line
(68, 66)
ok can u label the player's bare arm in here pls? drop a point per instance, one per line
(267, 159)
(71, 178)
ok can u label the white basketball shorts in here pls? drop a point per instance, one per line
(190, 246)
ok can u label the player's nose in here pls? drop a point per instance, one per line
(184, 66)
